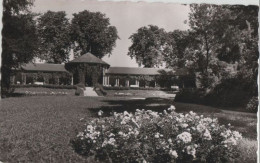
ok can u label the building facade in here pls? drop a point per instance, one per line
(89, 70)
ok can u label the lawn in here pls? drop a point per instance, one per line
(39, 128)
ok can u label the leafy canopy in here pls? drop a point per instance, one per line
(53, 32)
(19, 39)
(91, 32)
(150, 46)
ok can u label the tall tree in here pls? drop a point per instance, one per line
(222, 37)
(19, 39)
(180, 41)
(53, 32)
(150, 46)
(91, 32)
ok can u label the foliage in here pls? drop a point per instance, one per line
(223, 40)
(100, 90)
(16, 6)
(130, 88)
(230, 92)
(53, 32)
(150, 45)
(189, 95)
(29, 93)
(148, 136)
(79, 91)
(182, 39)
(91, 32)
(45, 86)
(19, 43)
(252, 105)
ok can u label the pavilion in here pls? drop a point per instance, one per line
(90, 70)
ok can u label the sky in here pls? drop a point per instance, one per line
(127, 17)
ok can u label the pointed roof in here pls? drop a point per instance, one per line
(88, 58)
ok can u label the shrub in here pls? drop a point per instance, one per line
(148, 136)
(79, 91)
(252, 104)
(138, 88)
(100, 90)
(45, 86)
(33, 93)
(232, 92)
(189, 95)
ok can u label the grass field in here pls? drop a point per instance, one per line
(39, 128)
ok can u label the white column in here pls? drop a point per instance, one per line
(72, 80)
(137, 82)
(117, 82)
(127, 83)
(108, 80)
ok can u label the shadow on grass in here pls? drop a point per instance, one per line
(16, 95)
(130, 105)
(153, 103)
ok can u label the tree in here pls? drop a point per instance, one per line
(226, 43)
(180, 41)
(53, 32)
(91, 32)
(19, 39)
(150, 46)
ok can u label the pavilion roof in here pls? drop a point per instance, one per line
(88, 58)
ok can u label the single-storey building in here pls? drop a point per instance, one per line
(90, 70)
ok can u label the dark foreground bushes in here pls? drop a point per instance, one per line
(230, 93)
(190, 95)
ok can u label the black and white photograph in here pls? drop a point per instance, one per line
(89, 81)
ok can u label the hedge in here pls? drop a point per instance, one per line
(45, 86)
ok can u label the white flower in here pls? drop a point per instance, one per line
(237, 135)
(100, 113)
(191, 151)
(201, 128)
(184, 125)
(207, 135)
(173, 153)
(123, 122)
(170, 140)
(171, 108)
(157, 135)
(230, 141)
(80, 134)
(111, 135)
(185, 137)
(90, 128)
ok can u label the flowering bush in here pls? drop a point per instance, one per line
(148, 136)
(252, 104)
(31, 93)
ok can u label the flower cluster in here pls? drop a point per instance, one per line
(148, 136)
(31, 93)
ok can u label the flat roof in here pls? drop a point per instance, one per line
(48, 67)
(44, 67)
(143, 71)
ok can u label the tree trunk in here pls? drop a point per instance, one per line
(5, 82)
